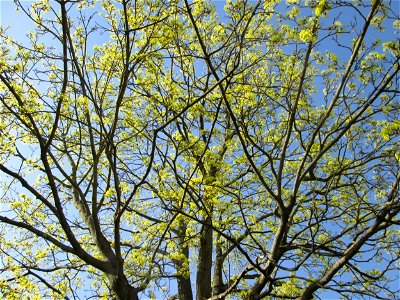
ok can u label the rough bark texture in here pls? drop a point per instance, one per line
(184, 284)
(218, 285)
(184, 288)
(203, 279)
(121, 288)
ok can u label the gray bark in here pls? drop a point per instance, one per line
(121, 288)
(203, 279)
(184, 283)
(218, 285)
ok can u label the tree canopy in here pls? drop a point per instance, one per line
(179, 150)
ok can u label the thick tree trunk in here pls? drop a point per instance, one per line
(204, 264)
(121, 288)
(182, 266)
(184, 288)
(218, 285)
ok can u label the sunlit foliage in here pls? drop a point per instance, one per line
(208, 150)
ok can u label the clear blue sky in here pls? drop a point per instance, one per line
(18, 29)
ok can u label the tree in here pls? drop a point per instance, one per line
(173, 149)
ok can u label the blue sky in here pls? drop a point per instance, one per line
(9, 17)
(18, 29)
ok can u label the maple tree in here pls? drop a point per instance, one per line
(172, 149)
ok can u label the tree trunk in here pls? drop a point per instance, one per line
(121, 288)
(184, 288)
(204, 264)
(184, 284)
(218, 282)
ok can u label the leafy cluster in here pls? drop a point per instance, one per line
(153, 148)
